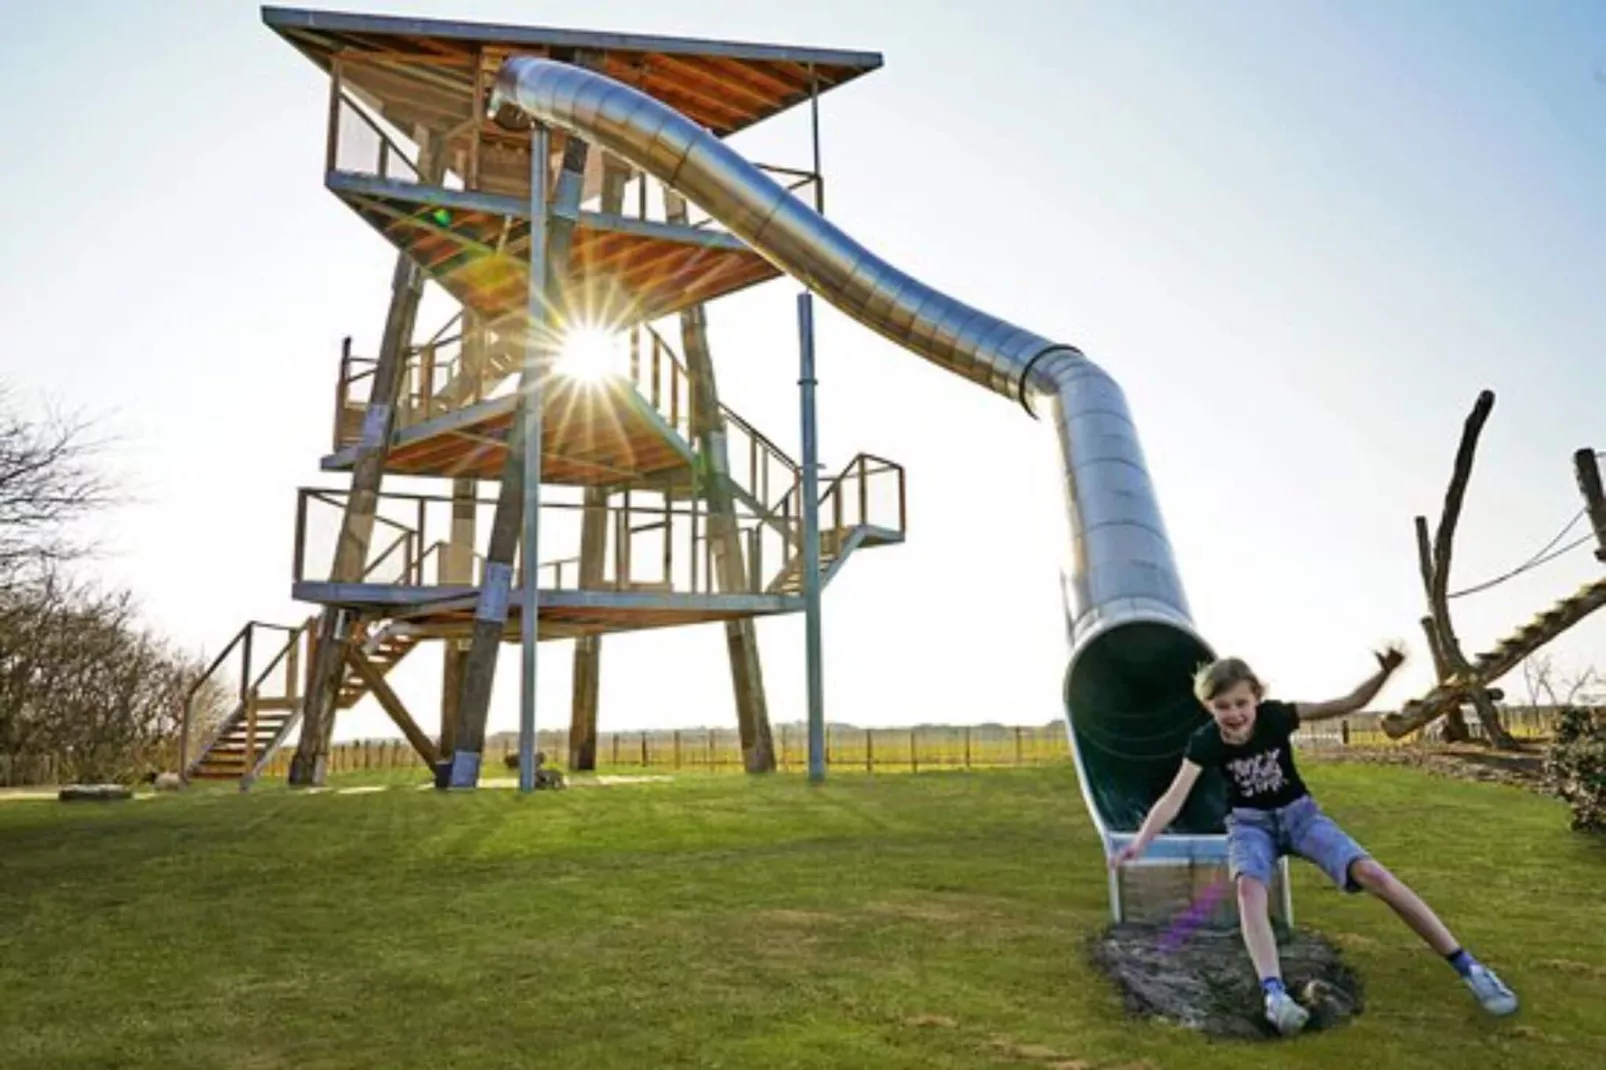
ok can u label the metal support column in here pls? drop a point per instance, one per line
(538, 346)
(811, 538)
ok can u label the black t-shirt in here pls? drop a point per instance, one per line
(1259, 772)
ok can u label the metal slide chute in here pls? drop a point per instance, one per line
(1129, 706)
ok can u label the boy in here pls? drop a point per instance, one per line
(1272, 814)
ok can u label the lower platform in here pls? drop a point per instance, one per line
(561, 614)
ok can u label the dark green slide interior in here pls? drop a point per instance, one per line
(1129, 697)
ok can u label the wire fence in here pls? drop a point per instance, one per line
(926, 747)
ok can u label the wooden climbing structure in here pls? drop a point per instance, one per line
(1463, 680)
(659, 504)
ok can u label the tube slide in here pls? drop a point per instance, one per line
(1127, 689)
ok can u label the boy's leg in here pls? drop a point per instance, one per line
(1319, 839)
(1251, 861)
(1254, 918)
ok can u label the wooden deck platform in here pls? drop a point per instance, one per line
(622, 270)
(593, 434)
(437, 72)
(438, 611)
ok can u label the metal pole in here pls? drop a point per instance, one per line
(811, 539)
(814, 128)
(535, 348)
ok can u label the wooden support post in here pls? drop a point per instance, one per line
(724, 535)
(551, 231)
(309, 765)
(593, 557)
(457, 566)
(1587, 468)
(392, 705)
(1414, 716)
(1455, 725)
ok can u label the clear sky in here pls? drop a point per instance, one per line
(1303, 237)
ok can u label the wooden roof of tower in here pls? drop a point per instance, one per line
(423, 70)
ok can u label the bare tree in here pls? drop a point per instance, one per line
(47, 483)
(84, 685)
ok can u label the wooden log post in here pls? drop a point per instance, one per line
(1455, 725)
(724, 534)
(1455, 494)
(309, 765)
(593, 558)
(554, 234)
(1587, 469)
(392, 705)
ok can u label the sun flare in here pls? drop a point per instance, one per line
(588, 354)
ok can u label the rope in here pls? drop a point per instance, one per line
(1544, 556)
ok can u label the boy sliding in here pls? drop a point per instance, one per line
(1272, 814)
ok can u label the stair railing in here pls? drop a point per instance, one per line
(245, 691)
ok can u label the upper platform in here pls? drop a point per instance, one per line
(398, 82)
(424, 69)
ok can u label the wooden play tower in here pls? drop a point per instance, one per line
(658, 505)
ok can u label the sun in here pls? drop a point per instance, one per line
(588, 354)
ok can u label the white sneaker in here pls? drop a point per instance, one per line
(1490, 990)
(1284, 1013)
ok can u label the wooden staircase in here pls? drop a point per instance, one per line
(268, 701)
(1507, 654)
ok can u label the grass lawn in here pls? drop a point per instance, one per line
(924, 921)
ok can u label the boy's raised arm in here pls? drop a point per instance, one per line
(1388, 659)
(1162, 813)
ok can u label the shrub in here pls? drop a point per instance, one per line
(1575, 766)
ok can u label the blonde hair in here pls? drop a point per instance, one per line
(1223, 674)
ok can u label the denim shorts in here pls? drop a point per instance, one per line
(1256, 839)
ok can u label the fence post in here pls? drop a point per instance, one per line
(644, 748)
(677, 748)
(1018, 760)
(869, 750)
(967, 746)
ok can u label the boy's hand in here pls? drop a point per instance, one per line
(1391, 657)
(1126, 854)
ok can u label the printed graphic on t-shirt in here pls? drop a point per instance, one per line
(1258, 773)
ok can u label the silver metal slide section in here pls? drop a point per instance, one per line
(1133, 643)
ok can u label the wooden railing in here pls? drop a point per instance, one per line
(427, 370)
(653, 544)
(223, 693)
(359, 145)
